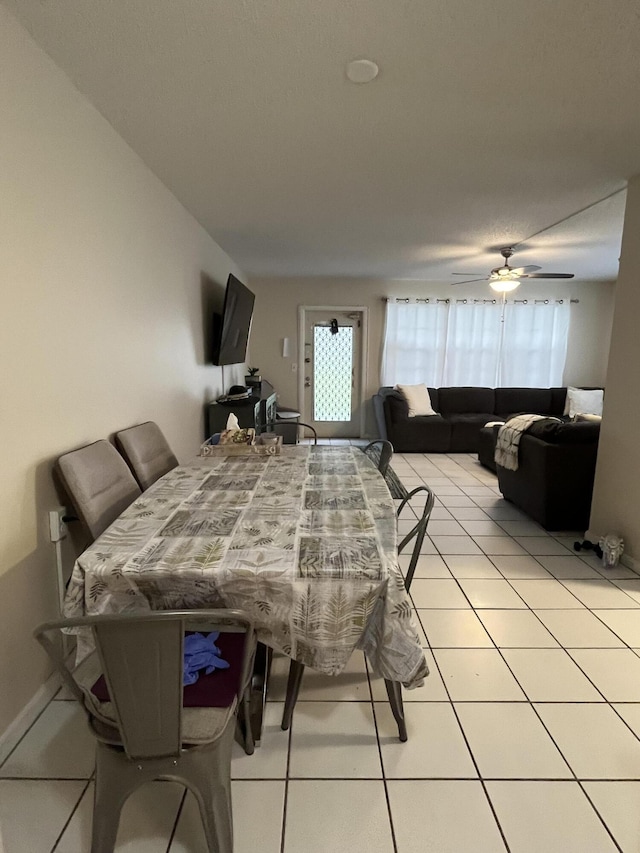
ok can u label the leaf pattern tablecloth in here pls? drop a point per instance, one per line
(304, 542)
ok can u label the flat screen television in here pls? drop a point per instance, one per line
(231, 329)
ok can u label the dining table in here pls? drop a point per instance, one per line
(304, 541)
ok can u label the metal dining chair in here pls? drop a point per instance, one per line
(147, 725)
(146, 452)
(380, 452)
(98, 483)
(418, 531)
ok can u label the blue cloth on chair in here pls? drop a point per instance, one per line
(200, 652)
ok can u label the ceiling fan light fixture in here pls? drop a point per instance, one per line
(504, 285)
(505, 278)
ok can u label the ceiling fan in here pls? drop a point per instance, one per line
(506, 278)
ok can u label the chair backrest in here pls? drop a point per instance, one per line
(293, 426)
(98, 483)
(141, 656)
(288, 429)
(418, 531)
(146, 451)
(380, 452)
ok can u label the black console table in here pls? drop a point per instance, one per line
(253, 412)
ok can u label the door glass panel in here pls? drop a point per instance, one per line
(332, 379)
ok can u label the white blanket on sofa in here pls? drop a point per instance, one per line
(509, 436)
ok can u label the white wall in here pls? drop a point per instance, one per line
(277, 302)
(103, 277)
(616, 493)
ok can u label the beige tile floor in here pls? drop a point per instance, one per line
(525, 737)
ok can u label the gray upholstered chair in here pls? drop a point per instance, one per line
(146, 451)
(99, 484)
(147, 726)
(380, 452)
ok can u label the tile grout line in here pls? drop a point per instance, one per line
(23, 736)
(285, 801)
(602, 820)
(68, 821)
(473, 758)
(384, 777)
(581, 782)
(529, 702)
(172, 834)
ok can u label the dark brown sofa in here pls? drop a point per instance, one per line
(556, 469)
(462, 413)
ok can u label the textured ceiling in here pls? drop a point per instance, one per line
(490, 120)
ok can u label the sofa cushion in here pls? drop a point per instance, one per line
(454, 401)
(581, 432)
(422, 434)
(465, 430)
(533, 401)
(397, 407)
(558, 398)
(487, 438)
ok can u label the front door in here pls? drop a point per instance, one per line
(332, 367)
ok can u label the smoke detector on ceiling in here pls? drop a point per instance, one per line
(362, 71)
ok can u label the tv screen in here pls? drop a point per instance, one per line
(232, 332)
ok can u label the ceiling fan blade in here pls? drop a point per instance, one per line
(470, 273)
(549, 275)
(468, 281)
(528, 269)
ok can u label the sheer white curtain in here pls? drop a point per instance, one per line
(476, 343)
(534, 348)
(415, 343)
(473, 344)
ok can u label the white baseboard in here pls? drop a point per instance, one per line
(12, 734)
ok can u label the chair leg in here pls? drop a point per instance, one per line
(243, 727)
(411, 570)
(296, 671)
(210, 782)
(394, 692)
(258, 692)
(110, 794)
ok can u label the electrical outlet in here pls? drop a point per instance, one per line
(57, 527)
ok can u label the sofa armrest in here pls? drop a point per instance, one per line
(553, 483)
(378, 408)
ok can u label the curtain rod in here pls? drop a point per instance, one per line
(407, 300)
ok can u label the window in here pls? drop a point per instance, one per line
(414, 343)
(521, 343)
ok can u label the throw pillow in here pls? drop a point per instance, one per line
(583, 402)
(418, 399)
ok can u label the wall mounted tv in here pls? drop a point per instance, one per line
(231, 329)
